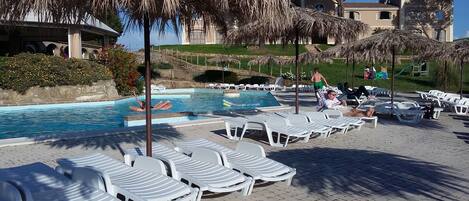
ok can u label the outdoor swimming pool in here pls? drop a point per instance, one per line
(30, 121)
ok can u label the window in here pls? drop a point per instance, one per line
(354, 15)
(319, 7)
(384, 15)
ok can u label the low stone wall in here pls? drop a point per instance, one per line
(101, 90)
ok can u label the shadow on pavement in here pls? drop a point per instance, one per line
(114, 141)
(364, 173)
(462, 136)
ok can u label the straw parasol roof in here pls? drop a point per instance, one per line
(380, 46)
(223, 59)
(306, 21)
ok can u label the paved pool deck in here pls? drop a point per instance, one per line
(428, 161)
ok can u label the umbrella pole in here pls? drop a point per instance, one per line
(460, 78)
(146, 33)
(297, 103)
(346, 70)
(392, 79)
(353, 70)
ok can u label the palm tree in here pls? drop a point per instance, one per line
(149, 14)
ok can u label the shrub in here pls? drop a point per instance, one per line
(216, 76)
(26, 70)
(154, 72)
(452, 76)
(291, 76)
(123, 66)
(254, 80)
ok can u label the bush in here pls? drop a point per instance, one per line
(291, 76)
(26, 70)
(123, 66)
(254, 80)
(154, 72)
(216, 76)
(452, 76)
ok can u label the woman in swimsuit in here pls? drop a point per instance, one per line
(166, 105)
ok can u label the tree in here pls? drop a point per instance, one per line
(428, 15)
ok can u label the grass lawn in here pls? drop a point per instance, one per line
(278, 50)
(337, 72)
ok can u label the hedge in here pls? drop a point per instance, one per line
(27, 70)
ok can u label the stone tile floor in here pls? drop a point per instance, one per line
(428, 161)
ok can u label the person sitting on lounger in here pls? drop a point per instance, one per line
(162, 105)
(332, 102)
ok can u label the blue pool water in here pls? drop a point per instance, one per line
(32, 121)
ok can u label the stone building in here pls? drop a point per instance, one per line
(385, 14)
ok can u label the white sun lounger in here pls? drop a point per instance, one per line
(301, 121)
(248, 158)
(197, 169)
(136, 183)
(39, 182)
(352, 121)
(321, 118)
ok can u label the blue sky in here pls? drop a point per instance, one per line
(133, 39)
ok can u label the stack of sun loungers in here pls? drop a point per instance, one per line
(283, 126)
(173, 173)
(451, 101)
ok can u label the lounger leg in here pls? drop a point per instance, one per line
(228, 131)
(199, 195)
(245, 127)
(248, 189)
(288, 181)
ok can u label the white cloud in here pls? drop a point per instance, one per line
(467, 34)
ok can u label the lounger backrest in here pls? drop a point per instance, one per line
(297, 118)
(333, 113)
(100, 161)
(315, 116)
(160, 149)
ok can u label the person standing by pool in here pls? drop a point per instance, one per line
(318, 80)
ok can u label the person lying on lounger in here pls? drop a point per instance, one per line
(162, 105)
(332, 102)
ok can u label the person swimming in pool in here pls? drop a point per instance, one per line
(162, 105)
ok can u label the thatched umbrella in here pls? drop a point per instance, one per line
(304, 24)
(385, 45)
(456, 53)
(223, 59)
(150, 14)
(268, 59)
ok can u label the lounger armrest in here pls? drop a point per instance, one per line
(170, 165)
(93, 177)
(13, 189)
(250, 149)
(150, 164)
(207, 155)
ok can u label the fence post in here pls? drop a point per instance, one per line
(259, 65)
(197, 59)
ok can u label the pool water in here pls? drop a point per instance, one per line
(33, 121)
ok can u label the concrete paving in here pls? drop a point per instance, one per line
(428, 161)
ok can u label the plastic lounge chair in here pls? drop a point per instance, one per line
(39, 182)
(280, 126)
(248, 158)
(301, 120)
(406, 112)
(141, 182)
(197, 169)
(352, 121)
(321, 118)
(462, 107)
